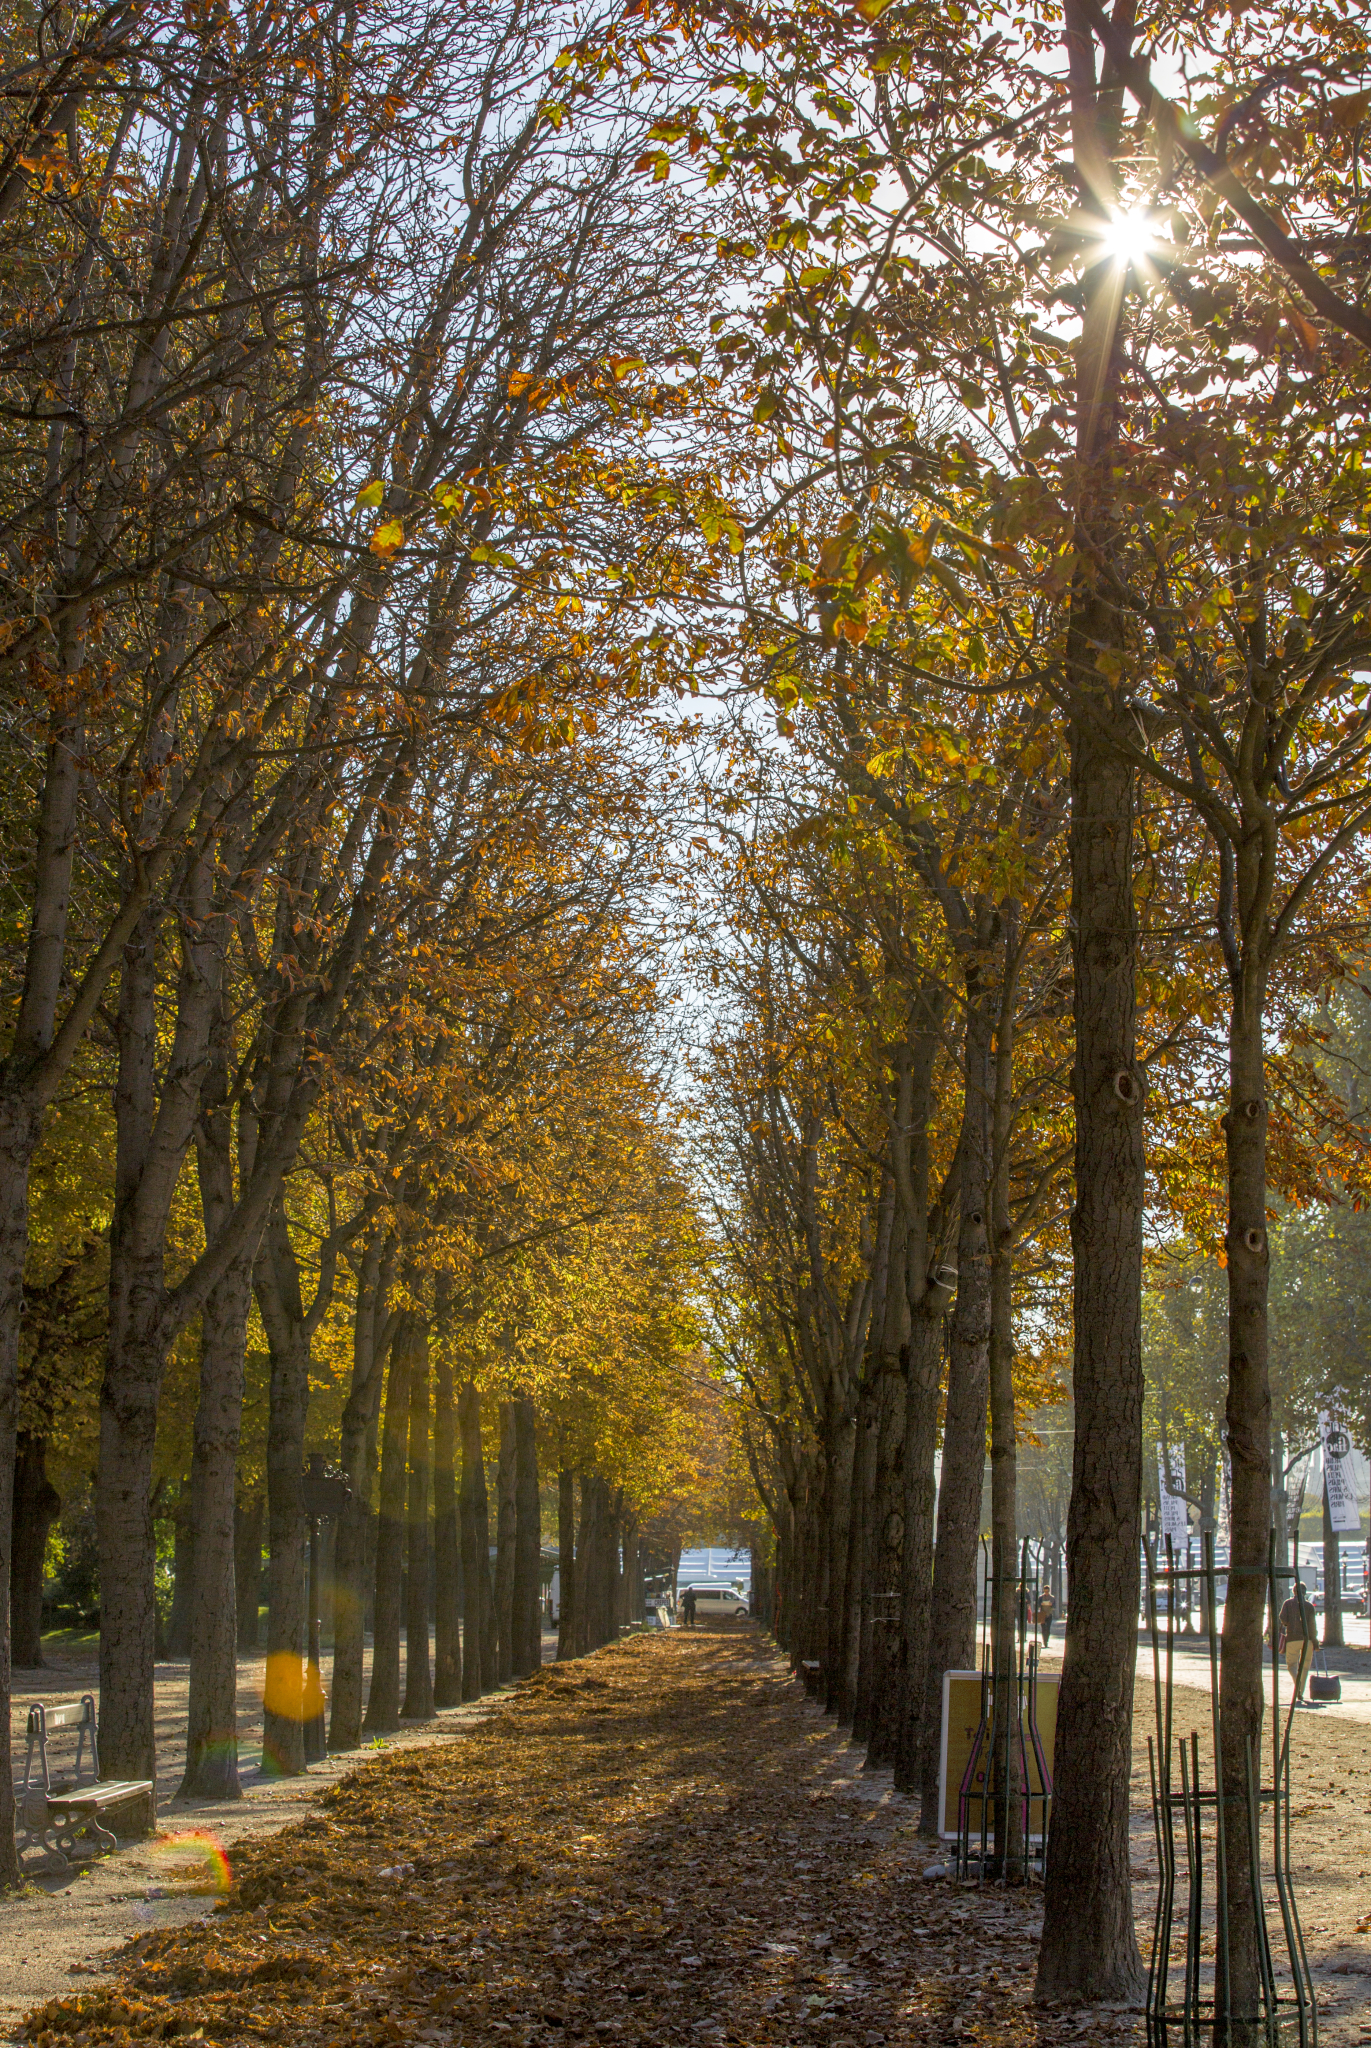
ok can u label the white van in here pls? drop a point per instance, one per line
(714, 1603)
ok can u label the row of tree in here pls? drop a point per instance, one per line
(330, 832)
(1055, 576)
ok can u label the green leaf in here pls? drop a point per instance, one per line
(371, 494)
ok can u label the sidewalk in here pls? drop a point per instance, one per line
(1352, 1665)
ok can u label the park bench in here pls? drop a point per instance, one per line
(56, 1811)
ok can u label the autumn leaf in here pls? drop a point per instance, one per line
(388, 539)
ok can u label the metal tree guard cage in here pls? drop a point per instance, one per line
(987, 1773)
(1287, 2015)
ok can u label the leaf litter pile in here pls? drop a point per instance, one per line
(657, 1844)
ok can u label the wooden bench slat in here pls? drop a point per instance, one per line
(109, 1794)
(70, 1714)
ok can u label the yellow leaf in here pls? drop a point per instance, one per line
(388, 539)
(371, 494)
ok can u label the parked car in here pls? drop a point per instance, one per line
(715, 1603)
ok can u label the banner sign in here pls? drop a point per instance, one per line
(1343, 1511)
(1175, 1518)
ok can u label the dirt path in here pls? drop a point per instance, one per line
(663, 1844)
(660, 1844)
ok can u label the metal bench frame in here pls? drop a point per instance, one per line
(54, 1818)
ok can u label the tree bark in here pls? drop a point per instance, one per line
(1089, 1949)
(383, 1697)
(135, 1356)
(1004, 1451)
(418, 1704)
(923, 1355)
(882, 1687)
(839, 1461)
(247, 1570)
(478, 1671)
(212, 1728)
(372, 1332)
(283, 1715)
(1249, 1449)
(528, 1542)
(447, 1539)
(566, 1562)
(506, 1518)
(952, 1629)
(591, 1558)
(37, 1505)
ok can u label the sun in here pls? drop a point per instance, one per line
(1128, 238)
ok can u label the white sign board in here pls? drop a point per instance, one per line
(1175, 1515)
(1343, 1511)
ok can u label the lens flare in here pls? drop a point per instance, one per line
(196, 1855)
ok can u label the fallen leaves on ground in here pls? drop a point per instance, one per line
(651, 1845)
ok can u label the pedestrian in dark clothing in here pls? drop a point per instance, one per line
(688, 1607)
(1047, 1607)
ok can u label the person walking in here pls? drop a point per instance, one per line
(1299, 1635)
(1047, 1607)
(688, 1607)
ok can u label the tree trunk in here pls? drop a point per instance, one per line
(528, 1542)
(478, 1672)
(631, 1577)
(591, 1557)
(506, 1518)
(20, 1129)
(882, 1687)
(1089, 1949)
(37, 1505)
(614, 1581)
(923, 1355)
(370, 1331)
(841, 1456)
(212, 1729)
(866, 1513)
(127, 1547)
(283, 1717)
(952, 1630)
(566, 1563)
(383, 1696)
(21, 1124)
(447, 1539)
(247, 1570)
(1004, 1453)
(418, 1704)
(135, 1358)
(857, 1609)
(1249, 1449)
